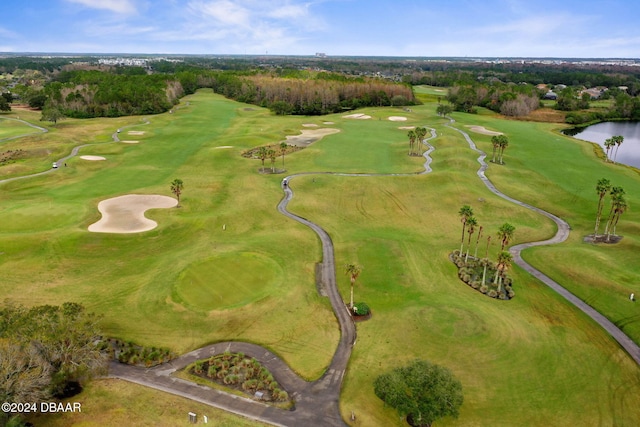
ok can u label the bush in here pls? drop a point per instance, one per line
(361, 309)
(492, 293)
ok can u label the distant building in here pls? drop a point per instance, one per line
(321, 55)
(550, 95)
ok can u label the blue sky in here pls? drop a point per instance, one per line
(463, 28)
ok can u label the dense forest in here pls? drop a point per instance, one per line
(81, 87)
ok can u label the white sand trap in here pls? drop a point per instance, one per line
(130, 142)
(309, 136)
(135, 132)
(310, 125)
(125, 214)
(92, 158)
(223, 146)
(482, 130)
(327, 123)
(398, 119)
(359, 116)
(406, 127)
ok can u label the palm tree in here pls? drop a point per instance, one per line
(485, 261)
(505, 233)
(471, 223)
(283, 149)
(412, 139)
(475, 252)
(420, 134)
(504, 142)
(602, 188)
(618, 139)
(495, 141)
(262, 155)
(465, 213)
(353, 271)
(176, 188)
(617, 195)
(609, 143)
(621, 207)
(272, 156)
(504, 262)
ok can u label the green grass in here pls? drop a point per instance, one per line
(12, 128)
(119, 403)
(528, 361)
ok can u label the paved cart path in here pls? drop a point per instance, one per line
(561, 235)
(317, 402)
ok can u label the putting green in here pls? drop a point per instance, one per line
(227, 281)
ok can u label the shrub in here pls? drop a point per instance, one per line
(211, 372)
(361, 309)
(484, 289)
(492, 293)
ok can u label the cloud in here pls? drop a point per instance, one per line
(118, 6)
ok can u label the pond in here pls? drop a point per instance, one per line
(628, 152)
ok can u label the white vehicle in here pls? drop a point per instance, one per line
(55, 165)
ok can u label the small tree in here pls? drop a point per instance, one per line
(176, 188)
(262, 155)
(272, 156)
(51, 114)
(421, 391)
(353, 271)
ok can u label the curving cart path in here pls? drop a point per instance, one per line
(316, 403)
(561, 235)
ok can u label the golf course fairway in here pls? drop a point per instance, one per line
(225, 265)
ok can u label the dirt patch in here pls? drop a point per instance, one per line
(125, 214)
(602, 238)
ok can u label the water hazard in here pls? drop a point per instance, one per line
(628, 152)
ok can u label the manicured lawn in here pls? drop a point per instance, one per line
(11, 128)
(226, 265)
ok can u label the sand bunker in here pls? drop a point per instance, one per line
(309, 125)
(92, 158)
(125, 214)
(130, 142)
(397, 119)
(308, 136)
(482, 130)
(223, 146)
(135, 132)
(327, 123)
(357, 116)
(406, 127)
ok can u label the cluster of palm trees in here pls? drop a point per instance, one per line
(618, 207)
(609, 143)
(416, 136)
(500, 143)
(505, 234)
(269, 153)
